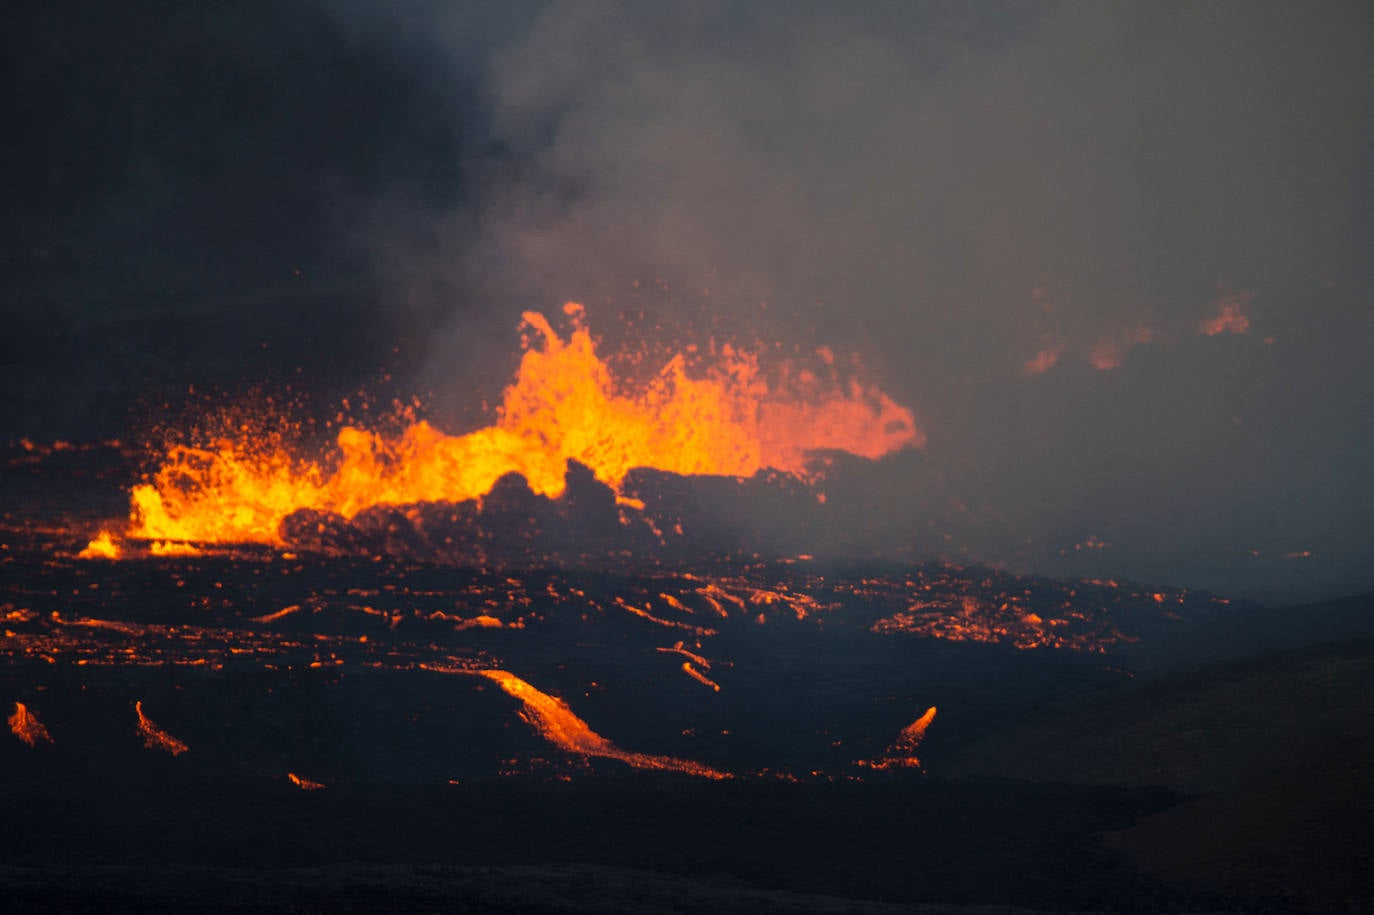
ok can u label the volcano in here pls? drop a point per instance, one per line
(371, 669)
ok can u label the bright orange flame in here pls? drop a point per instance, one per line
(304, 783)
(154, 738)
(554, 721)
(102, 547)
(726, 419)
(26, 726)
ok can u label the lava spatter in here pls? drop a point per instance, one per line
(720, 414)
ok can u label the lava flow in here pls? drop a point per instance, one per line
(26, 726)
(902, 753)
(154, 738)
(721, 414)
(556, 723)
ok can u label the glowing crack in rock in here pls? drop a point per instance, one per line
(555, 722)
(717, 413)
(26, 726)
(154, 738)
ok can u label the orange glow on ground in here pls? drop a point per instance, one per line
(902, 753)
(721, 414)
(1044, 360)
(1230, 317)
(1109, 352)
(154, 738)
(172, 548)
(556, 723)
(26, 726)
(102, 547)
(304, 783)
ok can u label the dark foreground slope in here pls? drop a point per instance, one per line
(1277, 753)
(176, 838)
(354, 743)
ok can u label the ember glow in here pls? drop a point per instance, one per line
(154, 738)
(1044, 360)
(719, 414)
(26, 726)
(1106, 354)
(555, 722)
(902, 753)
(1230, 317)
(665, 663)
(103, 546)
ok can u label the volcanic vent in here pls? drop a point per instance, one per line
(596, 565)
(719, 413)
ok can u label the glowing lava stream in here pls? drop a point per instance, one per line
(556, 723)
(902, 753)
(154, 738)
(26, 726)
(719, 415)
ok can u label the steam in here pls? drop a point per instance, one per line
(971, 197)
(1114, 256)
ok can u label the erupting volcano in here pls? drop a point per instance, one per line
(645, 580)
(722, 413)
(1003, 359)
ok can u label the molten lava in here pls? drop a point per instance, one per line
(722, 415)
(154, 738)
(27, 727)
(102, 547)
(1230, 317)
(902, 753)
(556, 723)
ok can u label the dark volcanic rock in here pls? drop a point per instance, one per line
(511, 525)
(664, 516)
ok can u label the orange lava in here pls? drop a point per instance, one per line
(27, 727)
(722, 415)
(304, 783)
(556, 723)
(102, 547)
(902, 753)
(154, 738)
(172, 548)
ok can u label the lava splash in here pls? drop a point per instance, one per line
(718, 414)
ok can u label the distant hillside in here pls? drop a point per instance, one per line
(1278, 749)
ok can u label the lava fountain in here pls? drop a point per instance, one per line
(720, 413)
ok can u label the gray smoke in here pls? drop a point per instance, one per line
(951, 189)
(1019, 216)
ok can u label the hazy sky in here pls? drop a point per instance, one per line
(1024, 217)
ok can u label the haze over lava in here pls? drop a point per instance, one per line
(719, 414)
(1114, 258)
